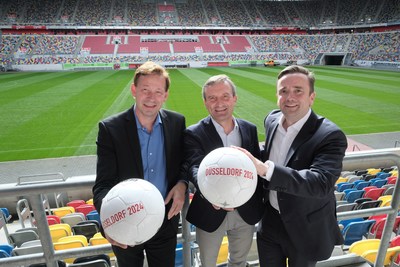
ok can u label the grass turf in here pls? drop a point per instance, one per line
(55, 114)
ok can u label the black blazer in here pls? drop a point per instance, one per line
(305, 184)
(200, 139)
(119, 154)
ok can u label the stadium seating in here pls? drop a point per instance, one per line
(76, 203)
(223, 251)
(93, 215)
(357, 230)
(52, 219)
(353, 195)
(86, 228)
(369, 204)
(368, 249)
(59, 262)
(6, 213)
(85, 208)
(26, 250)
(5, 250)
(62, 211)
(374, 193)
(19, 237)
(73, 218)
(377, 229)
(345, 207)
(60, 230)
(69, 242)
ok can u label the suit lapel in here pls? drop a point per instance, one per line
(213, 137)
(167, 136)
(131, 129)
(244, 135)
(270, 135)
(305, 133)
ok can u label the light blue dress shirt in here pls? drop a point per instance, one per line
(153, 154)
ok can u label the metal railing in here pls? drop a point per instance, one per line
(33, 192)
(371, 159)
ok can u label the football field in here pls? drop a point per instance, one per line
(55, 114)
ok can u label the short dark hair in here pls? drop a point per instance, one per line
(299, 69)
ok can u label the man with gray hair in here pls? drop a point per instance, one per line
(221, 129)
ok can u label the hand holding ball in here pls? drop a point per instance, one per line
(227, 177)
(132, 212)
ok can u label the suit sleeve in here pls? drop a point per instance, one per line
(194, 154)
(106, 168)
(314, 168)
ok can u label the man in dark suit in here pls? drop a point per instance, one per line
(145, 142)
(218, 130)
(304, 154)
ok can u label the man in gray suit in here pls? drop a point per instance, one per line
(221, 129)
(145, 142)
(301, 162)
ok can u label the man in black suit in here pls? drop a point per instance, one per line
(303, 153)
(218, 130)
(145, 142)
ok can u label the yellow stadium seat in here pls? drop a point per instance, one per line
(368, 249)
(359, 247)
(373, 171)
(223, 251)
(62, 211)
(70, 242)
(341, 180)
(386, 200)
(59, 230)
(99, 239)
(79, 238)
(370, 255)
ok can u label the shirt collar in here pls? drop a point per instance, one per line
(139, 125)
(298, 125)
(220, 128)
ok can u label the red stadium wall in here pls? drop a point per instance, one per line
(218, 64)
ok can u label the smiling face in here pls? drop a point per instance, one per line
(150, 93)
(294, 96)
(220, 101)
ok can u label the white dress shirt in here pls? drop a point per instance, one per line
(281, 143)
(231, 139)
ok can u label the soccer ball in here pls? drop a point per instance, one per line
(132, 212)
(227, 177)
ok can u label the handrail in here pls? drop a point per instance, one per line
(369, 159)
(33, 192)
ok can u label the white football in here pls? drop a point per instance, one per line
(227, 177)
(132, 212)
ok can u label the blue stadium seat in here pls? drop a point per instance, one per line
(353, 195)
(343, 186)
(355, 231)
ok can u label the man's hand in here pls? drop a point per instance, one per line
(177, 194)
(115, 243)
(227, 209)
(260, 166)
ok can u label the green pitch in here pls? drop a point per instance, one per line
(55, 114)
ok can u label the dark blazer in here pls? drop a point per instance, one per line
(305, 184)
(119, 154)
(200, 139)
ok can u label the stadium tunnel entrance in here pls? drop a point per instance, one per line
(335, 59)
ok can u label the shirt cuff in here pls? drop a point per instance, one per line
(271, 167)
